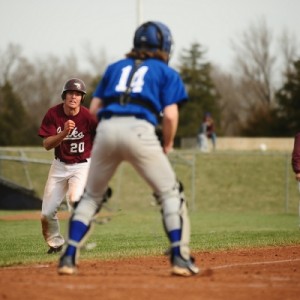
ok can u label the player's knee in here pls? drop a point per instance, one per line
(170, 200)
(177, 192)
(44, 220)
(72, 198)
(89, 205)
(46, 217)
(85, 209)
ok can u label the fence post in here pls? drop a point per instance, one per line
(24, 163)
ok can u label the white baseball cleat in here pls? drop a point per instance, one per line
(182, 267)
(66, 266)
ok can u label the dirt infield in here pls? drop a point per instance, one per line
(268, 273)
(248, 274)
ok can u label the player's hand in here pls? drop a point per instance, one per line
(168, 148)
(297, 176)
(69, 126)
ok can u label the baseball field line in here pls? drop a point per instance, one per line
(255, 263)
(212, 268)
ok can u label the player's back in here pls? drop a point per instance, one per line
(150, 80)
(147, 81)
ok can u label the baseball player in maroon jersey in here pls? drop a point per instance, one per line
(296, 157)
(70, 129)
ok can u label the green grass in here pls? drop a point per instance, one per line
(140, 233)
(242, 199)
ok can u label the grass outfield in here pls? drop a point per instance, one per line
(140, 234)
(236, 200)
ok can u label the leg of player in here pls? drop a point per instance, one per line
(81, 224)
(177, 226)
(154, 166)
(76, 182)
(55, 190)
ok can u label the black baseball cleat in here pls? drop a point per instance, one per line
(54, 249)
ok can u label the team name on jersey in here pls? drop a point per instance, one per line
(73, 135)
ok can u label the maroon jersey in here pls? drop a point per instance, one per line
(296, 154)
(77, 145)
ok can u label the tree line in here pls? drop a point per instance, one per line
(260, 96)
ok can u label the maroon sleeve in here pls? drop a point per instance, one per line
(47, 127)
(296, 154)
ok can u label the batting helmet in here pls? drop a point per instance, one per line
(153, 36)
(74, 84)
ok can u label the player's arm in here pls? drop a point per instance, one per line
(95, 105)
(53, 141)
(169, 126)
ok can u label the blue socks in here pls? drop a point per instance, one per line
(175, 237)
(77, 231)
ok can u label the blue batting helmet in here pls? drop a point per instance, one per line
(153, 36)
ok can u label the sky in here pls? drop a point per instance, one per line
(62, 27)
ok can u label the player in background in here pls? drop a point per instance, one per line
(69, 129)
(206, 132)
(296, 163)
(131, 96)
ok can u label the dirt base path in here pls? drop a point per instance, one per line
(251, 274)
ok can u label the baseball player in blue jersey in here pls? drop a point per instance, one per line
(133, 93)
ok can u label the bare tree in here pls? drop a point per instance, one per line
(40, 83)
(261, 68)
(8, 60)
(97, 61)
(255, 63)
(229, 103)
(288, 47)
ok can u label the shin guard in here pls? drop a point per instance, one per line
(176, 221)
(82, 221)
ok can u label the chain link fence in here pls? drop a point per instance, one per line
(221, 180)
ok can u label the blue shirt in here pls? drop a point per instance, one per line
(153, 82)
